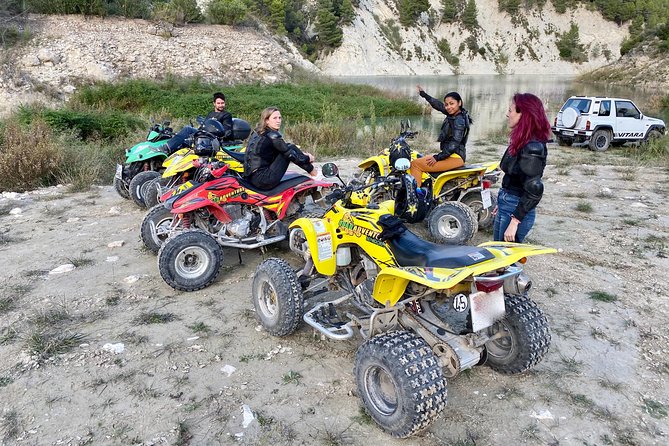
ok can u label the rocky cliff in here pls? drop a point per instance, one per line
(67, 50)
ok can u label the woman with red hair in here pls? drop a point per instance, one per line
(523, 165)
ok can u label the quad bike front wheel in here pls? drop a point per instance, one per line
(190, 261)
(121, 188)
(152, 192)
(400, 381)
(452, 223)
(138, 184)
(155, 227)
(475, 203)
(277, 297)
(520, 339)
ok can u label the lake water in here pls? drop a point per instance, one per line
(487, 96)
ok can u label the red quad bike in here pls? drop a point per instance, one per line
(229, 212)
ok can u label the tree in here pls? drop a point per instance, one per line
(570, 46)
(226, 12)
(327, 28)
(410, 10)
(277, 10)
(346, 12)
(469, 15)
(451, 10)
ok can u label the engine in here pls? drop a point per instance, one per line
(244, 221)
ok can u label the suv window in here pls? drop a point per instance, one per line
(580, 104)
(605, 108)
(625, 109)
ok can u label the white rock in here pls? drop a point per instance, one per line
(639, 205)
(115, 210)
(228, 369)
(112, 259)
(15, 211)
(543, 415)
(247, 416)
(114, 348)
(73, 219)
(63, 269)
(116, 244)
(131, 279)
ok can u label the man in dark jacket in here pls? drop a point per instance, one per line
(219, 113)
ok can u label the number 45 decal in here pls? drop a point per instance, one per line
(460, 303)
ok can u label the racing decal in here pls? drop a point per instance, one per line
(324, 246)
(350, 228)
(427, 273)
(629, 135)
(476, 256)
(223, 198)
(460, 303)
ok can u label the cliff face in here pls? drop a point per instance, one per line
(525, 47)
(67, 50)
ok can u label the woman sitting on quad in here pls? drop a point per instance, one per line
(452, 138)
(268, 155)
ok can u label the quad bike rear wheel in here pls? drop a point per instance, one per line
(138, 184)
(154, 227)
(522, 337)
(152, 192)
(277, 297)
(452, 223)
(190, 261)
(400, 381)
(484, 216)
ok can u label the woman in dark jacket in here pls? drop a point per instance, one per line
(523, 165)
(452, 137)
(268, 155)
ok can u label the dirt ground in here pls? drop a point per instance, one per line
(152, 366)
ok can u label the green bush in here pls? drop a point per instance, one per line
(226, 12)
(178, 12)
(570, 47)
(86, 7)
(445, 51)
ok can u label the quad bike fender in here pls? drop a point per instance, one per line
(144, 151)
(391, 282)
(322, 246)
(380, 161)
(180, 163)
(200, 203)
(471, 174)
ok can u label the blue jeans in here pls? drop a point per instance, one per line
(506, 204)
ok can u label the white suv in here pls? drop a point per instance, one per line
(602, 122)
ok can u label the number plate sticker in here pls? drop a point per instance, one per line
(486, 308)
(324, 243)
(568, 133)
(485, 198)
(119, 172)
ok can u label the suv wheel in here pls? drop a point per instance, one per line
(600, 140)
(651, 135)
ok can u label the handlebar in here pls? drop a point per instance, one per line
(345, 193)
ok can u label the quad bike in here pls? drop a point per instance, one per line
(228, 211)
(146, 156)
(426, 312)
(143, 183)
(180, 168)
(180, 165)
(454, 193)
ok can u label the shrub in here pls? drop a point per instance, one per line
(445, 51)
(226, 12)
(178, 12)
(86, 124)
(86, 7)
(29, 156)
(570, 47)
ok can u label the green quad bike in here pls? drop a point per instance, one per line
(142, 163)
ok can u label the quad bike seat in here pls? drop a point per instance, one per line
(289, 180)
(411, 250)
(465, 167)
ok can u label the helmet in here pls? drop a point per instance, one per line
(240, 129)
(214, 127)
(411, 202)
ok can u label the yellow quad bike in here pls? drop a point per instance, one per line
(454, 192)
(425, 312)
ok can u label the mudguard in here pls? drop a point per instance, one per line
(392, 282)
(470, 170)
(322, 246)
(380, 161)
(145, 150)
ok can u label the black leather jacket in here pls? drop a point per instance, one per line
(225, 118)
(454, 130)
(522, 175)
(262, 150)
